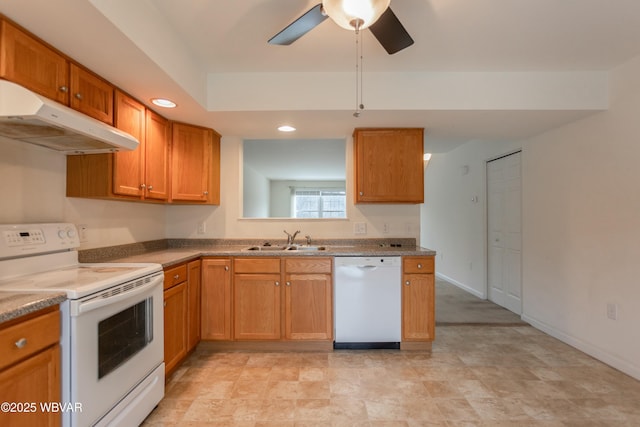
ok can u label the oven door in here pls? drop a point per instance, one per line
(116, 341)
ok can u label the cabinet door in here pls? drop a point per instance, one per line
(190, 158)
(193, 304)
(157, 166)
(418, 307)
(32, 64)
(216, 299)
(308, 306)
(91, 95)
(128, 166)
(389, 165)
(175, 325)
(256, 299)
(36, 379)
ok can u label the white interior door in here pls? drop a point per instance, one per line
(504, 226)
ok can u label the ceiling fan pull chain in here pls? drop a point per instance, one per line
(359, 105)
(356, 113)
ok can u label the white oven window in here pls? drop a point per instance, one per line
(123, 335)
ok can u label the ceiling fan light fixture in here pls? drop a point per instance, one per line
(355, 14)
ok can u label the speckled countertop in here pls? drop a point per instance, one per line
(171, 252)
(16, 304)
(177, 251)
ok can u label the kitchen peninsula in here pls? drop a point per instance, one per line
(226, 293)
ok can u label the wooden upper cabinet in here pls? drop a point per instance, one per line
(30, 62)
(195, 163)
(91, 95)
(128, 166)
(389, 165)
(33, 64)
(157, 163)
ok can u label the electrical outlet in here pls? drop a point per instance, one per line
(360, 228)
(385, 228)
(202, 227)
(82, 233)
(612, 311)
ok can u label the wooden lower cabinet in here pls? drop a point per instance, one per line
(194, 292)
(256, 299)
(31, 373)
(288, 298)
(216, 299)
(182, 287)
(418, 299)
(175, 326)
(308, 299)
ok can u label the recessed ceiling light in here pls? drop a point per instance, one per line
(162, 102)
(286, 128)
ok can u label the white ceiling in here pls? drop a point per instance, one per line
(205, 42)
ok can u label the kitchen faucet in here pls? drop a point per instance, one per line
(291, 237)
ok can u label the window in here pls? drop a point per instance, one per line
(319, 203)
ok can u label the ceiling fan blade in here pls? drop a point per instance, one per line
(300, 26)
(390, 33)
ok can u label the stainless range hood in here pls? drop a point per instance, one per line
(29, 117)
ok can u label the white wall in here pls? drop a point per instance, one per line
(256, 196)
(581, 205)
(581, 228)
(32, 189)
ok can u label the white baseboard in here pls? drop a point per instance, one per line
(472, 291)
(596, 352)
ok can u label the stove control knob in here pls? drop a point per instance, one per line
(62, 234)
(71, 233)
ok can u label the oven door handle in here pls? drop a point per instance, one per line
(94, 304)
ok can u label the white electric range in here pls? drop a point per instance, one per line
(111, 342)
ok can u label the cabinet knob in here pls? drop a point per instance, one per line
(150, 187)
(176, 277)
(407, 283)
(226, 268)
(63, 89)
(419, 265)
(78, 95)
(142, 186)
(21, 343)
(206, 193)
(361, 193)
(288, 283)
(277, 283)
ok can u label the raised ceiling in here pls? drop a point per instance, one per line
(479, 69)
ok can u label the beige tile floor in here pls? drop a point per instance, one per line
(475, 376)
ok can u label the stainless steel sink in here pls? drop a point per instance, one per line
(306, 248)
(287, 248)
(267, 248)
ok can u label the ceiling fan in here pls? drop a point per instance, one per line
(353, 15)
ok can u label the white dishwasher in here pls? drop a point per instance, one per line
(367, 295)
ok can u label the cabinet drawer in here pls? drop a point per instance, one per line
(175, 275)
(307, 265)
(256, 265)
(29, 337)
(423, 264)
